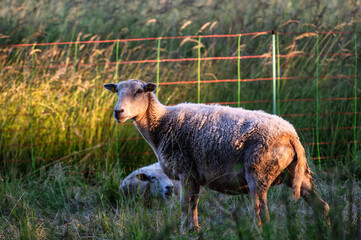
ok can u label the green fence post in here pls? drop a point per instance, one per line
(274, 71)
(199, 69)
(158, 63)
(31, 107)
(317, 104)
(74, 102)
(278, 75)
(355, 115)
(239, 71)
(116, 124)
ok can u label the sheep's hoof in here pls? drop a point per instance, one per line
(195, 229)
(191, 230)
(259, 223)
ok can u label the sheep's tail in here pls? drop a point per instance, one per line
(301, 171)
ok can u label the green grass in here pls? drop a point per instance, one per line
(57, 204)
(45, 112)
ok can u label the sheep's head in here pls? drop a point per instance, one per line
(160, 185)
(133, 98)
(153, 182)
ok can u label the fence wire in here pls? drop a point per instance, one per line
(279, 100)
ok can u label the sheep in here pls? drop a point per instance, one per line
(229, 150)
(150, 182)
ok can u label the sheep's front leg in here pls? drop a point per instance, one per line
(194, 208)
(190, 197)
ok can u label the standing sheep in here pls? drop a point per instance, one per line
(230, 150)
(150, 182)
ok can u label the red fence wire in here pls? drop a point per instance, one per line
(25, 145)
(179, 60)
(176, 37)
(136, 39)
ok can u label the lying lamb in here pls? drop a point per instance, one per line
(150, 182)
(230, 150)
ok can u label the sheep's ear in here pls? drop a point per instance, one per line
(110, 86)
(143, 177)
(149, 87)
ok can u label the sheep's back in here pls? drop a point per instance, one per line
(209, 137)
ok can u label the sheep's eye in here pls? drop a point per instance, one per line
(139, 91)
(152, 178)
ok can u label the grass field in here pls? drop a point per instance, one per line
(62, 156)
(58, 205)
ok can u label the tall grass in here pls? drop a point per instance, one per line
(62, 113)
(50, 21)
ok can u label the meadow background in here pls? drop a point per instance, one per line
(62, 156)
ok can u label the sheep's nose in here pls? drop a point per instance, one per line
(119, 111)
(169, 189)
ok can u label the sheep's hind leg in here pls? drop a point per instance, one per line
(259, 199)
(309, 194)
(263, 206)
